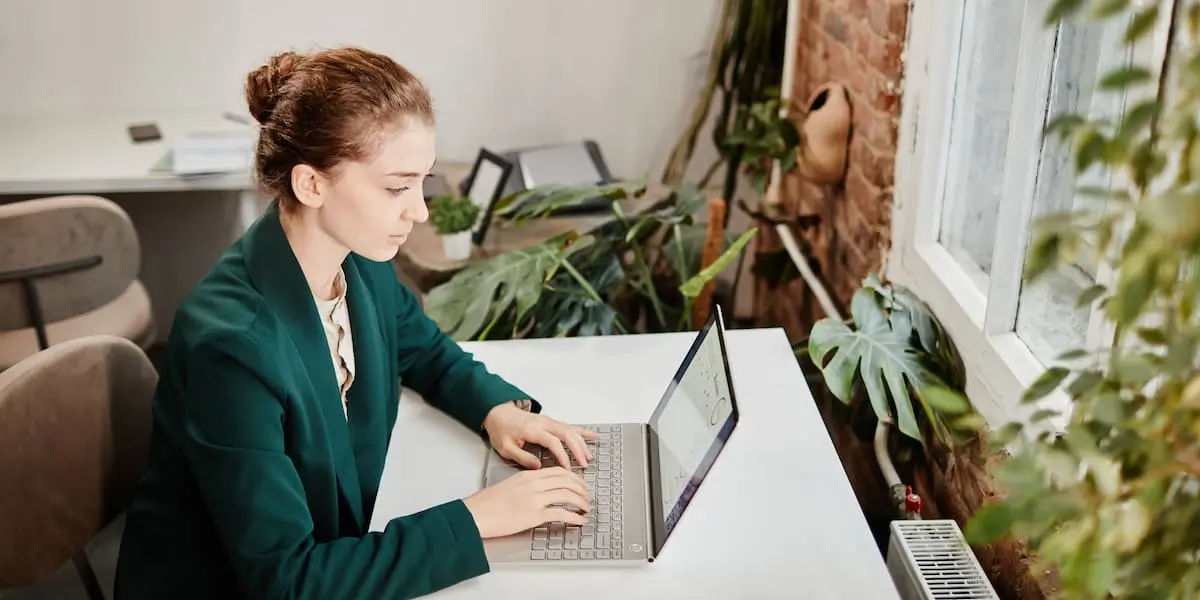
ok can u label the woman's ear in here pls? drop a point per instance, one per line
(308, 185)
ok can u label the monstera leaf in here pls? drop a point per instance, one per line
(879, 350)
(568, 308)
(473, 301)
(544, 200)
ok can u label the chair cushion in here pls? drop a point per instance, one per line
(127, 316)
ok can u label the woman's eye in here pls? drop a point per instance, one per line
(397, 191)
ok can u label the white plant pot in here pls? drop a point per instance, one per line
(457, 246)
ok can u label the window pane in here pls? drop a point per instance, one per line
(1047, 318)
(982, 103)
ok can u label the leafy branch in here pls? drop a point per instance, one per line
(1113, 500)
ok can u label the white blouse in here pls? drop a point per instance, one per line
(335, 318)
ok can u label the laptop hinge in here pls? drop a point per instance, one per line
(651, 510)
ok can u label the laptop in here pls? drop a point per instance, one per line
(643, 475)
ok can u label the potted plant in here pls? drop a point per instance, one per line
(1113, 500)
(453, 217)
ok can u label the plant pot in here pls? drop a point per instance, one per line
(457, 246)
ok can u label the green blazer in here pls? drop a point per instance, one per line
(257, 485)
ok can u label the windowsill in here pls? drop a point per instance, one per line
(998, 367)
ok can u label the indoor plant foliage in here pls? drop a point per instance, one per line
(745, 64)
(452, 218)
(894, 350)
(632, 273)
(1114, 500)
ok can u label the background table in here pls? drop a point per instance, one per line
(776, 517)
(92, 154)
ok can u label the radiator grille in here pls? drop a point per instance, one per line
(930, 560)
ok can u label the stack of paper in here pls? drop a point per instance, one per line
(225, 151)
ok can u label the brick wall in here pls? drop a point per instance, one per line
(857, 43)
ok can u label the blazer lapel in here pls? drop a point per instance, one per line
(275, 270)
(372, 391)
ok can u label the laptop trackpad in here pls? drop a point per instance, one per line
(498, 469)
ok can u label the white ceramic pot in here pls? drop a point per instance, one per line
(457, 246)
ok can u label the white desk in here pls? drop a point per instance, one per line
(776, 517)
(92, 154)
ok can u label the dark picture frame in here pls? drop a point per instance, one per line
(488, 178)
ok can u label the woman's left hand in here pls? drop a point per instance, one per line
(510, 428)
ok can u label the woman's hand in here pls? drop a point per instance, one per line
(529, 499)
(509, 428)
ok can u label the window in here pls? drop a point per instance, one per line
(974, 170)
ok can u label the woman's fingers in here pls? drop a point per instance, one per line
(522, 456)
(547, 439)
(555, 478)
(570, 435)
(562, 515)
(568, 497)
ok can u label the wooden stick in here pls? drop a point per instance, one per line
(714, 243)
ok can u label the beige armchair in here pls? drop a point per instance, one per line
(68, 269)
(75, 425)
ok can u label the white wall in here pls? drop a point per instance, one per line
(504, 73)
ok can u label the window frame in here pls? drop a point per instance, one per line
(999, 364)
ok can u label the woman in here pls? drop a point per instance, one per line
(283, 371)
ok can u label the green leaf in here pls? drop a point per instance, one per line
(1008, 433)
(1070, 355)
(567, 308)
(791, 135)
(1108, 408)
(545, 200)
(1131, 526)
(1143, 22)
(1085, 383)
(1152, 335)
(1089, 146)
(1064, 125)
(477, 296)
(1062, 9)
(1138, 117)
(929, 332)
(452, 214)
(990, 523)
(1102, 573)
(878, 349)
(971, 422)
(1089, 295)
(1043, 253)
(1046, 383)
(1134, 289)
(1103, 9)
(1042, 415)
(1135, 369)
(692, 287)
(945, 400)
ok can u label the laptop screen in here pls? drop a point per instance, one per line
(689, 428)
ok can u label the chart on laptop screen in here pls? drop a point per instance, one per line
(691, 420)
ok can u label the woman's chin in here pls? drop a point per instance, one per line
(384, 252)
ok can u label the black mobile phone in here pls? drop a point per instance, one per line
(144, 132)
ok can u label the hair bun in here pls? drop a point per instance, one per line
(263, 84)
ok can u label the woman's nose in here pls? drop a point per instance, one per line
(419, 211)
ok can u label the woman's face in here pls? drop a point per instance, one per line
(372, 205)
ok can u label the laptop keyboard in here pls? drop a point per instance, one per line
(600, 537)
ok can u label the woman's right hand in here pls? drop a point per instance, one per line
(525, 501)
